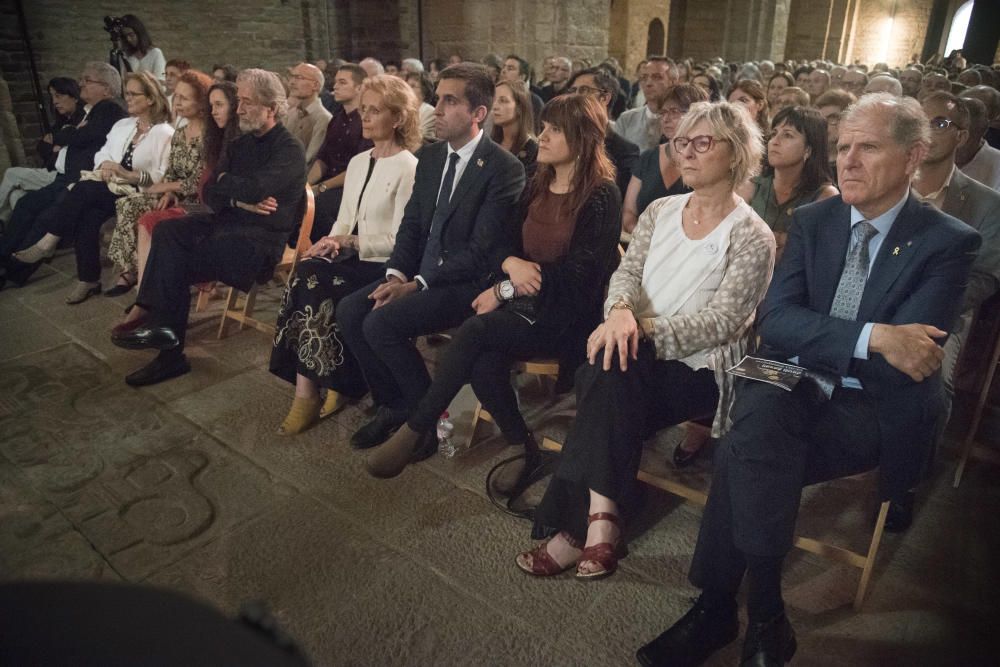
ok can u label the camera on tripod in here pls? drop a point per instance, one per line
(114, 25)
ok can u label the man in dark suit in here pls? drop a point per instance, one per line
(623, 153)
(100, 83)
(862, 298)
(465, 188)
(238, 244)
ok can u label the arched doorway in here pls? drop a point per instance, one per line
(654, 38)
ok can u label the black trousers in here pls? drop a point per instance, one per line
(780, 442)
(482, 352)
(616, 411)
(81, 213)
(382, 340)
(31, 217)
(195, 249)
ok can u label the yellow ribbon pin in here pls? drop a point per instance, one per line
(895, 251)
(479, 163)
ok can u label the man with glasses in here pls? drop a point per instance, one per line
(255, 192)
(558, 75)
(862, 299)
(100, 84)
(598, 82)
(307, 118)
(642, 126)
(854, 82)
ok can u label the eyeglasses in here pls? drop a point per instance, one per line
(940, 123)
(701, 144)
(85, 80)
(129, 94)
(673, 112)
(585, 90)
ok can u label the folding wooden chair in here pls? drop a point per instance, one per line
(988, 318)
(232, 310)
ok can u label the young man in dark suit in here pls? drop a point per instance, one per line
(465, 188)
(863, 298)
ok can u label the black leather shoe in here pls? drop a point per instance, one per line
(769, 644)
(684, 458)
(18, 273)
(144, 338)
(900, 514)
(690, 641)
(163, 367)
(385, 422)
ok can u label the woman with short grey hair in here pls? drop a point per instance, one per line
(678, 314)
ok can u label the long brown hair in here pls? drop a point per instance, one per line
(755, 90)
(583, 121)
(525, 123)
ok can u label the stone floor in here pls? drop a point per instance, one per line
(186, 485)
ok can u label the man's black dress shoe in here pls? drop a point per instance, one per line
(690, 641)
(163, 367)
(900, 514)
(144, 338)
(385, 422)
(769, 644)
(18, 273)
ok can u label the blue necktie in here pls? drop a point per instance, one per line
(432, 251)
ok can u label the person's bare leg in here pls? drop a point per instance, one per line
(600, 531)
(143, 241)
(304, 387)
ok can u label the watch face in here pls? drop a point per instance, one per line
(507, 289)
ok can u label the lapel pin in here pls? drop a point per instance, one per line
(909, 243)
(895, 251)
(479, 162)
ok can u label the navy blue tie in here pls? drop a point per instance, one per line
(432, 251)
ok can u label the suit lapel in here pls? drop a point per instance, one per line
(897, 251)
(470, 175)
(956, 200)
(831, 252)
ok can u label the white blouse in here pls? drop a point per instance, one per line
(153, 62)
(380, 211)
(151, 154)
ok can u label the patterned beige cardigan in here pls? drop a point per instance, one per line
(723, 327)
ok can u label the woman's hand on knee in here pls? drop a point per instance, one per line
(618, 335)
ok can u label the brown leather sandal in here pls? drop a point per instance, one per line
(605, 554)
(541, 564)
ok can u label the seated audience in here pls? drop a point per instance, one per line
(308, 347)
(223, 130)
(793, 96)
(133, 157)
(140, 53)
(464, 189)
(681, 303)
(307, 118)
(411, 66)
(854, 82)
(516, 68)
(68, 109)
(513, 124)
(641, 126)
(175, 67)
(434, 67)
(750, 93)
(872, 396)
(657, 175)
(224, 72)
(933, 82)
(709, 84)
(831, 106)
(976, 158)
(392, 68)
(623, 153)
(423, 89)
(371, 67)
(99, 86)
(884, 83)
(819, 83)
(910, 79)
(181, 180)
(234, 245)
(552, 264)
(796, 171)
(343, 141)
(990, 97)
(802, 76)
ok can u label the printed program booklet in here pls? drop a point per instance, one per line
(779, 374)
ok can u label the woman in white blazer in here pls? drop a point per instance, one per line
(134, 156)
(308, 349)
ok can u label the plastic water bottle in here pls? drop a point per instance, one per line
(445, 428)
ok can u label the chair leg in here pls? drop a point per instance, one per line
(866, 572)
(227, 308)
(248, 306)
(478, 416)
(202, 302)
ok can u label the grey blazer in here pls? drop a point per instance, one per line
(979, 207)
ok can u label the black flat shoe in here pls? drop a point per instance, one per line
(693, 639)
(683, 458)
(18, 273)
(769, 644)
(900, 514)
(121, 288)
(144, 338)
(163, 367)
(386, 422)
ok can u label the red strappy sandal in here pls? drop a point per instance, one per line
(542, 564)
(604, 554)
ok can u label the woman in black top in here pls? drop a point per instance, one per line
(552, 266)
(514, 122)
(656, 176)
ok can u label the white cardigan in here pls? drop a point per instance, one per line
(151, 155)
(381, 209)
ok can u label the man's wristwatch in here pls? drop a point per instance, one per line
(505, 289)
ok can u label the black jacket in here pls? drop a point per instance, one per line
(84, 142)
(625, 156)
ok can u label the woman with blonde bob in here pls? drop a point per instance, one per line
(514, 123)
(677, 315)
(308, 348)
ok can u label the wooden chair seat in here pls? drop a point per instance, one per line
(538, 367)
